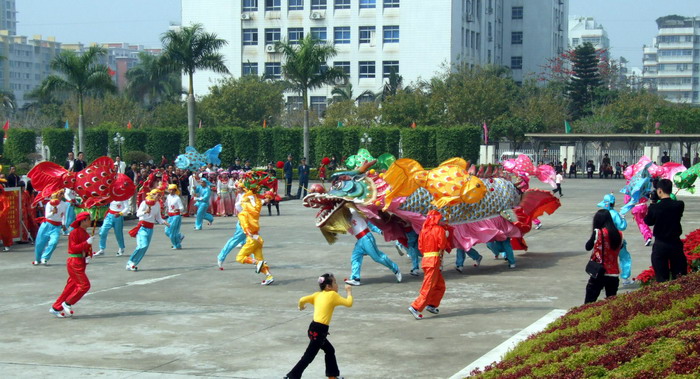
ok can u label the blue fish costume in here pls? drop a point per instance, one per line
(192, 160)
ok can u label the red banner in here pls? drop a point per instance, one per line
(14, 215)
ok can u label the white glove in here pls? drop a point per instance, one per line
(89, 240)
(87, 260)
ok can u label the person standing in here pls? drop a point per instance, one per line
(113, 219)
(69, 196)
(80, 163)
(557, 180)
(148, 214)
(665, 158)
(608, 204)
(605, 242)
(665, 216)
(5, 230)
(324, 303)
(12, 178)
(70, 162)
(50, 229)
(304, 172)
(203, 195)
(175, 208)
(433, 243)
(119, 165)
(79, 253)
(288, 176)
(132, 173)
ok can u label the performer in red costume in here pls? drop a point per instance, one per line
(79, 254)
(5, 230)
(432, 242)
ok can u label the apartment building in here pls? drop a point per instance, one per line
(672, 61)
(586, 29)
(414, 38)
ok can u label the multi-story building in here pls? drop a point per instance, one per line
(672, 63)
(27, 64)
(8, 17)
(414, 38)
(586, 29)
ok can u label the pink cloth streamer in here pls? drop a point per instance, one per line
(523, 167)
(669, 169)
(639, 212)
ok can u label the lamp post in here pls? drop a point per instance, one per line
(119, 140)
(366, 139)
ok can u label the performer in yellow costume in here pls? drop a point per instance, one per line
(249, 219)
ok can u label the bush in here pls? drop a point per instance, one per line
(287, 141)
(457, 142)
(246, 144)
(419, 144)
(266, 146)
(351, 143)
(161, 142)
(328, 143)
(134, 140)
(20, 144)
(136, 157)
(393, 140)
(207, 138)
(59, 142)
(97, 144)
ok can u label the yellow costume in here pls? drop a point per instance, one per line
(249, 220)
(324, 303)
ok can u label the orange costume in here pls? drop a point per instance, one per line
(433, 242)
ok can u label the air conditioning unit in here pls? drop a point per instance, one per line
(246, 16)
(317, 16)
(270, 48)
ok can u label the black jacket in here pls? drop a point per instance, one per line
(665, 216)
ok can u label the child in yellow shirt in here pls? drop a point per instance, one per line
(324, 303)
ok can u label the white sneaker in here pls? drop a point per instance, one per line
(352, 282)
(5, 248)
(477, 262)
(648, 242)
(268, 280)
(502, 255)
(512, 265)
(415, 272)
(627, 282)
(56, 313)
(259, 266)
(415, 313)
(130, 266)
(538, 226)
(98, 252)
(432, 309)
(458, 268)
(44, 262)
(67, 309)
(398, 276)
(120, 252)
(35, 263)
(220, 264)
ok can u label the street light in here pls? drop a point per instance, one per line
(119, 140)
(366, 138)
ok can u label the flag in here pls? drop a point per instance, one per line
(200, 123)
(6, 127)
(110, 72)
(128, 125)
(658, 128)
(66, 126)
(264, 123)
(340, 124)
(486, 134)
(413, 125)
(567, 127)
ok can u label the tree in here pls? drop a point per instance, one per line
(541, 106)
(187, 50)
(392, 86)
(152, 82)
(306, 69)
(406, 107)
(82, 76)
(344, 93)
(635, 111)
(246, 101)
(513, 129)
(585, 80)
(118, 109)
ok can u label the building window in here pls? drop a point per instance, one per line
(388, 67)
(517, 13)
(318, 104)
(250, 37)
(319, 34)
(366, 34)
(341, 34)
(296, 5)
(516, 63)
(295, 35)
(318, 4)
(344, 66)
(391, 34)
(250, 5)
(391, 3)
(516, 38)
(272, 36)
(273, 5)
(295, 103)
(367, 69)
(575, 41)
(342, 4)
(273, 70)
(368, 4)
(250, 69)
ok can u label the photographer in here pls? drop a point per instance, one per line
(665, 216)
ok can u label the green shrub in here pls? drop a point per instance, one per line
(134, 140)
(161, 142)
(266, 146)
(206, 139)
(20, 144)
(393, 140)
(245, 143)
(136, 157)
(287, 141)
(419, 144)
(97, 144)
(328, 143)
(457, 142)
(59, 142)
(351, 142)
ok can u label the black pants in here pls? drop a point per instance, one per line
(303, 185)
(594, 286)
(288, 186)
(668, 260)
(590, 174)
(558, 189)
(269, 207)
(318, 334)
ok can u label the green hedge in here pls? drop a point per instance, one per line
(134, 140)
(245, 146)
(351, 142)
(419, 144)
(206, 139)
(161, 142)
(20, 144)
(59, 142)
(457, 142)
(327, 143)
(97, 143)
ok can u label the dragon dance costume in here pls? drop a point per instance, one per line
(249, 219)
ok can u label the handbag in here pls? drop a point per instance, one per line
(595, 269)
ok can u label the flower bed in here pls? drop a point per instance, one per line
(691, 249)
(652, 332)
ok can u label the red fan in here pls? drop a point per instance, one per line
(280, 164)
(325, 161)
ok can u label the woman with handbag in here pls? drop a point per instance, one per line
(603, 267)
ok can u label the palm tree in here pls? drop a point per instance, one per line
(151, 82)
(188, 49)
(82, 76)
(306, 69)
(392, 86)
(344, 93)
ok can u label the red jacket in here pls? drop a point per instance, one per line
(77, 242)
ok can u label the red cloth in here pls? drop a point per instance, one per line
(5, 230)
(433, 288)
(432, 236)
(78, 283)
(133, 232)
(602, 249)
(77, 242)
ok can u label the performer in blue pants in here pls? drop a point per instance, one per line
(113, 220)
(366, 245)
(203, 192)
(70, 210)
(461, 255)
(50, 230)
(149, 214)
(504, 246)
(621, 224)
(411, 248)
(239, 236)
(175, 208)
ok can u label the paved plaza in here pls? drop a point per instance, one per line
(179, 316)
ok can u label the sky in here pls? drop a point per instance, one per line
(630, 23)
